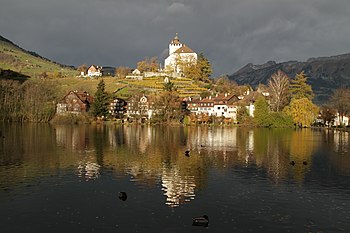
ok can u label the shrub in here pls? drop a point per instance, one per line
(280, 120)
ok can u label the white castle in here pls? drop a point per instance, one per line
(178, 52)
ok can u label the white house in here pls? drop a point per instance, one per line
(135, 74)
(178, 52)
(220, 105)
(94, 71)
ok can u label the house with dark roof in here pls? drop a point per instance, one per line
(74, 102)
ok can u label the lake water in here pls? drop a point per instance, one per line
(67, 179)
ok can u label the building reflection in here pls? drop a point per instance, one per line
(338, 141)
(78, 139)
(155, 155)
(73, 138)
(88, 170)
(177, 188)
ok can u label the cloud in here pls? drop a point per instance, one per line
(230, 33)
(178, 8)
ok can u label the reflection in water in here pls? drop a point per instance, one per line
(155, 155)
(342, 142)
(241, 178)
(178, 189)
(88, 170)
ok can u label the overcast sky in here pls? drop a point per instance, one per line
(230, 33)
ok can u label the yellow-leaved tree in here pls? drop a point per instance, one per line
(303, 111)
(301, 108)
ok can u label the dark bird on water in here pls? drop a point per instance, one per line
(304, 162)
(122, 196)
(200, 221)
(292, 163)
(187, 153)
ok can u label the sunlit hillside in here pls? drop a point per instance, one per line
(14, 58)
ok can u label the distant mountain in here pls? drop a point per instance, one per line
(324, 73)
(17, 59)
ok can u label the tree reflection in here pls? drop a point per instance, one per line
(155, 156)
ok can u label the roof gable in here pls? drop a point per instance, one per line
(184, 49)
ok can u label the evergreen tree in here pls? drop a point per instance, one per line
(242, 115)
(101, 101)
(261, 112)
(204, 67)
(169, 86)
(299, 88)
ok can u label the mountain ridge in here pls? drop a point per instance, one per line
(325, 74)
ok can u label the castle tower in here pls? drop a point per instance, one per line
(175, 44)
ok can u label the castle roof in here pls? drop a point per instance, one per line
(176, 40)
(184, 49)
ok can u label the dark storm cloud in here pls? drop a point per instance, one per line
(230, 33)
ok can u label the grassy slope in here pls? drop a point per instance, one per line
(14, 58)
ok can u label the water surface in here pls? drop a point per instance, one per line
(67, 178)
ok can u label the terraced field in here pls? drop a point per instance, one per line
(185, 86)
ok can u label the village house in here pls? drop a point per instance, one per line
(139, 108)
(135, 74)
(117, 108)
(220, 105)
(94, 71)
(74, 102)
(224, 105)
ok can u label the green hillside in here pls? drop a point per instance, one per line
(14, 58)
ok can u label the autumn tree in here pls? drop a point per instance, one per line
(82, 68)
(340, 100)
(302, 110)
(101, 101)
(167, 107)
(224, 85)
(328, 114)
(148, 64)
(299, 88)
(198, 69)
(122, 71)
(278, 86)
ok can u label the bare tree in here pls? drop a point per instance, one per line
(148, 64)
(279, 90)
(341, 101)
(122, 71)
